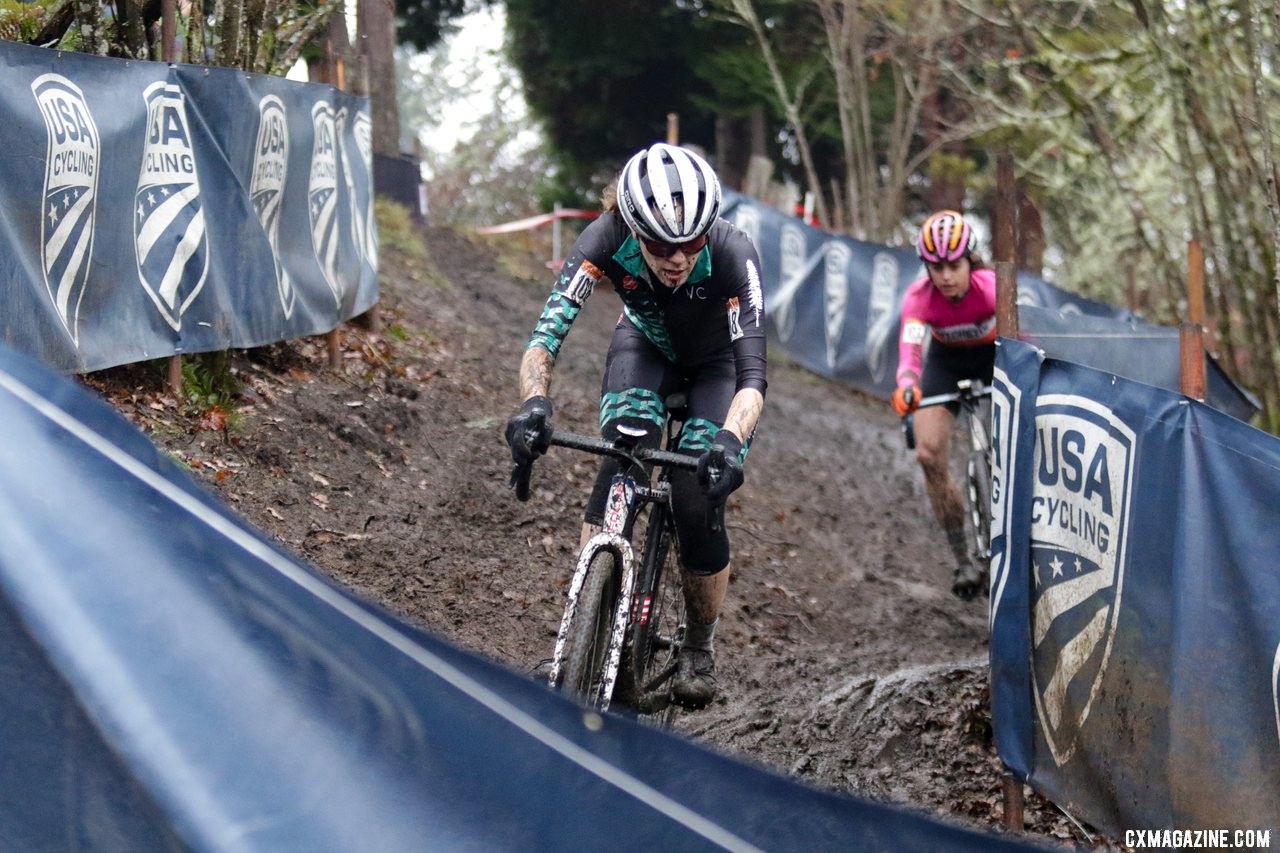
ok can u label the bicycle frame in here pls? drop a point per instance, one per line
(626, 497)
(970, 394)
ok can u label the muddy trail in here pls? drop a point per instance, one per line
(843, 658)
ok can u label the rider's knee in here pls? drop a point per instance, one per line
(933, 460)
(701, 551)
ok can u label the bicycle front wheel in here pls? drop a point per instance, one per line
(978, 477)
(658, 613)
(587, 654)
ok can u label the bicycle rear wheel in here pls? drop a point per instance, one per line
(978, 494)
(657, 618)
(587, 652)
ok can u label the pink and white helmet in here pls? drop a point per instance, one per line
(945, 236)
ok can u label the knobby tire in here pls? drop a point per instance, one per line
(588, 638)
(655, 641)
(979, 500)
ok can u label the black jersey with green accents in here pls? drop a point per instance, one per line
(719, 307)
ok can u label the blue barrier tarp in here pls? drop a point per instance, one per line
(1136, 604)
(171, 679)
(154, 208)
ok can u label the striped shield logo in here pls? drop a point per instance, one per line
(1082, 479)
(169, 234)
(359, 178)
(793, 267)
(1275, 689)
(835, 290)
(270, 170)
(882, 313)
(1006, 410)
(70, 196)
(322, 198)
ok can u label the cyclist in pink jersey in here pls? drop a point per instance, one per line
(955, 305)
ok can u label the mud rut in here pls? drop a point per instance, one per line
(843, 659)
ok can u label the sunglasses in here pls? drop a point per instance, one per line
(666, 250)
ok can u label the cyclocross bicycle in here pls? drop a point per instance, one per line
(975, 408)
(624, 618)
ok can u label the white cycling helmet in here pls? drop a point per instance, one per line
(651, 184)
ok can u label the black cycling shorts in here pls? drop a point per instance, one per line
(638, 380)
(944, 366)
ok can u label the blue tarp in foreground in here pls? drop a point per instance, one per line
(170, 679)
(1135, 645)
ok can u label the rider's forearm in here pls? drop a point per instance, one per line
(744, 412)
(535, 373)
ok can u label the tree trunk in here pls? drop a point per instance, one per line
(376, 33)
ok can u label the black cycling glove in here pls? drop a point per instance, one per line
(720, 469)
(529, 430)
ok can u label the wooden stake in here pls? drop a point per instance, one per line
(334, 342)
(1004, 240)
(1006, 299)
(1195, 283)
(673, 128)
(175, 374)
(1013, 802)
(1191, 350)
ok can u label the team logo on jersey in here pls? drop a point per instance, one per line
(322, 198)
(881, 313)
(585, 279)
(170, 240)
(735, 324)
(755, 296)
(266, 188)
(70, 196)
(835, 289)
(629, 282)
(791, 272)
(364, 230)
(1082, 479)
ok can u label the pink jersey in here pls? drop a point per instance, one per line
(966, 323)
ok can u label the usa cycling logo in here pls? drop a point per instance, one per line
(266, 189)
(364, 231)
(1006, 413)
(322, 198)
(835, 289)
(1082, 480)
(881, 312)
(792, 269)
(169, 235)
(70, 196)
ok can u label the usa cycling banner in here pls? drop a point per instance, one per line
(834, 303)
(1135, 647)
(153, 209)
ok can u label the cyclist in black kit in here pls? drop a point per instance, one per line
(692, 321)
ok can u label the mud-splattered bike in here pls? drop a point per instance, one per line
(974, 399)
(624, 617)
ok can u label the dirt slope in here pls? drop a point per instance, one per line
(844, 659)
